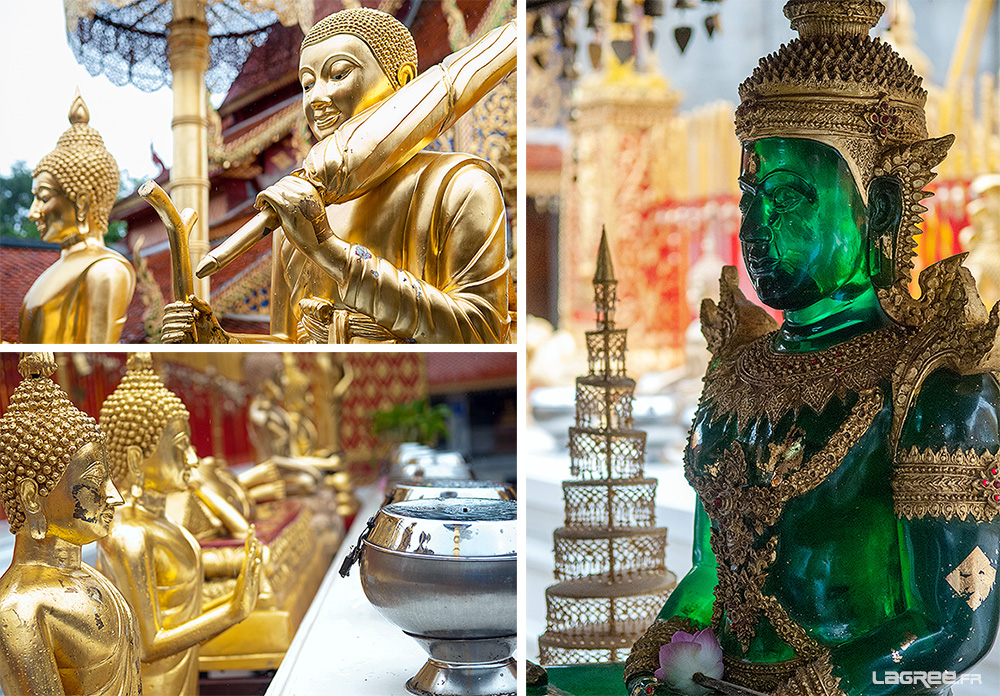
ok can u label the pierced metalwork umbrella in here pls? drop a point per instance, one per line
(189, 45)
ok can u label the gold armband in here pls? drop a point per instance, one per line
(814, 679)
(946, 484)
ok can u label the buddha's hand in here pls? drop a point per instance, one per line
(191, 321)
(648, 685)
(301, 210)
(248, 582)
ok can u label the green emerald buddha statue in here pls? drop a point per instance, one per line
(845, 462)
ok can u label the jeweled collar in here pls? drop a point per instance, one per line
(755, 380)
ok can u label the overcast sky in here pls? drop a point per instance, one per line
(38, 74)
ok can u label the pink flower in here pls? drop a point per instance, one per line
(686, 654)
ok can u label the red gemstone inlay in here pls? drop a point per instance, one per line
(993, 471)
(985, 482)
(997, 497)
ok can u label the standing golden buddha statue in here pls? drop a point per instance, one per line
(154, 562)
(64, 629)
(84, 296)
(379, 241)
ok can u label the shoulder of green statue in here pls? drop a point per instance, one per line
(735, 320)
(951, 326)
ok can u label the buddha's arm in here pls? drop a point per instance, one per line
(462, 297)
(27, 661)
(375, 143)
(234, 521)
(108, 288)
(949, 535)
(688, 608)
(134, 560)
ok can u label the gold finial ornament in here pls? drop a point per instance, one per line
(39, 434)
(136, 413)
(389, 40)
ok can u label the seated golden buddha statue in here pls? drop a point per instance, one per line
(845, 462)
(64, 628)
(381, 241)
(84, 296)
(154, 562)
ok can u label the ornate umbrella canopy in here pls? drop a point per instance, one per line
(127, 39)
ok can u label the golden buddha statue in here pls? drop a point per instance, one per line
(154, 562)
(84, 296)
(64, 628)
(380, 241)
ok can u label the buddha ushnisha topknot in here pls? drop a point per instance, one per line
(39, 434)
(136, 413)
(389, 40)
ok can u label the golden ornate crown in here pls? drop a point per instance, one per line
(136, 413)
(389, 40)
(836, 85)
(39, 434)
(81, 164)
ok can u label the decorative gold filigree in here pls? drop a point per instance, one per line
(952, 485)
(744, 514)
(973, 578)
(760, 676)
(735, 321)
(645, 655)
(755, 380)
(814, 679)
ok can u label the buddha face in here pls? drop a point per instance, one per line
(52, 210)
(81, 507)
(340, 78)
(804, 232)
(168, 469)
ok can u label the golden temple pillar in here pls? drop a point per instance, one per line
(611, 179)
(187, 46)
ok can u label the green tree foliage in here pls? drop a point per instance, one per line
(16, 198)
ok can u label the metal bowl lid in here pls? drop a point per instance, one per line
(450, 488)
(464, 527)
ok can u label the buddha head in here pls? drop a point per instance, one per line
(149, 432)
(76, 184)
(54, 477)
(835, 154)
(350, 61)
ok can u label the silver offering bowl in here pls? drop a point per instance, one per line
(445, 571)
(449, 488)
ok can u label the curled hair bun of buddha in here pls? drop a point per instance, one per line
(136, 414)
(389, 40)
(39, 434)
(81, 164)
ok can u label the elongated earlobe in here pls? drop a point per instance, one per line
(137, 477)
(885, 210)
(27, 492)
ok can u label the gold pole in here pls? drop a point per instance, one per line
(187, 47)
